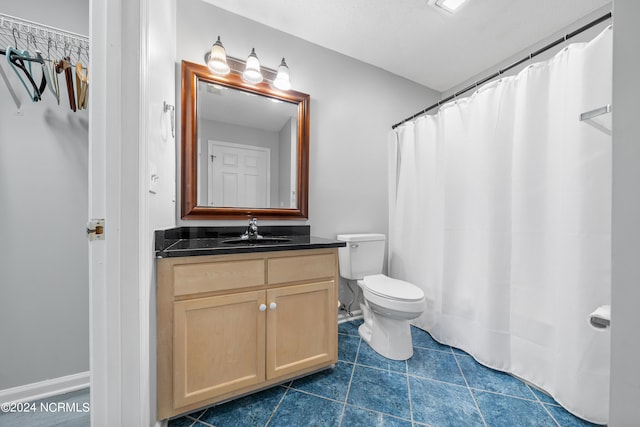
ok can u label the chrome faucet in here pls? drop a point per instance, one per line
(252, 230)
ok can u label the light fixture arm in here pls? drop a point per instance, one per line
(251, 71)
(238, 65)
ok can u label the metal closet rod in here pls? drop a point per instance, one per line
(503, 70)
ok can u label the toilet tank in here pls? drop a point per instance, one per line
(363, 255)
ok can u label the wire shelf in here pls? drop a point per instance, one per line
(52, 42)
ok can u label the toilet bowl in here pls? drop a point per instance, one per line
(387, 304)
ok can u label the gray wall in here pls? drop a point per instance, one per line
(625, 291)
(582, 37)
(353, 106)
(44, 308)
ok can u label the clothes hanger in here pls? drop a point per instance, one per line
(16, 36)
(39, 59)
(56, 83)
(46, 71)
(46, 75)
(65, 66)
(16, 59)
(82, 85)
(78, 85)
(52, 77)
(79, 94)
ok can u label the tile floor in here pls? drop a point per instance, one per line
(438, 386)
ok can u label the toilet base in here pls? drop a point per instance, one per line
(390, 338)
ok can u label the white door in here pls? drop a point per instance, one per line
(239, 175)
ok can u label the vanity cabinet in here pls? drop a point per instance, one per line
(232, 324)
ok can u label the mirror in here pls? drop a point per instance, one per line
(245, 148)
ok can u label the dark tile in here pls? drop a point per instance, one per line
(459, 351)
(331, 383)
(422, 339)
(441, 404)
(369, 357)
(357, 417)
(542, 396)
(483, 378)
(567, 419)
(505, 411)
(350, 328)
(348, 347)
(436, 365)
(301, 409)
(381, 391)
(182, 422)
(250, 411)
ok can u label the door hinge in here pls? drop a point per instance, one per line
(95, 229)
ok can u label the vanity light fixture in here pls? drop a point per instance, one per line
(252, 73)
(217, 59)
(449, 6)
(282, 81)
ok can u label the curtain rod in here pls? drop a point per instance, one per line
(503, 70)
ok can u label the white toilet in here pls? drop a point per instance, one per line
(389, 303)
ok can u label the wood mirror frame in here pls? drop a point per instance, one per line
(193, 73)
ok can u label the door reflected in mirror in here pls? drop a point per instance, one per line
(247, 149)
(244, 148)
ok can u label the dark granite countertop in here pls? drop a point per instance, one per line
(197, 241)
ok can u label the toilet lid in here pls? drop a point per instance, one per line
(387, 287)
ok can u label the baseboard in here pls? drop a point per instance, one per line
(44, 389)
(345, 317)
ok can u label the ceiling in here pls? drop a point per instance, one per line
(412, 39)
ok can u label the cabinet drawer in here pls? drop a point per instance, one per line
(301, 268)
(217, 276)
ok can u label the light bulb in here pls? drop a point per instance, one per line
(217, 61)
(252, 73)
(282, 80)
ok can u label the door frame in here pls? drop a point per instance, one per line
(120, 266)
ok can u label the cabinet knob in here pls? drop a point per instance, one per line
(262, 307)
(272, 306)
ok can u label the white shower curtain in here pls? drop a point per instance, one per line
(500, 210)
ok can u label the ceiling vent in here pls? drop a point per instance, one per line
(448, 6)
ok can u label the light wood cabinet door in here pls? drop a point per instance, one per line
(301, 328)
(218, 346)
